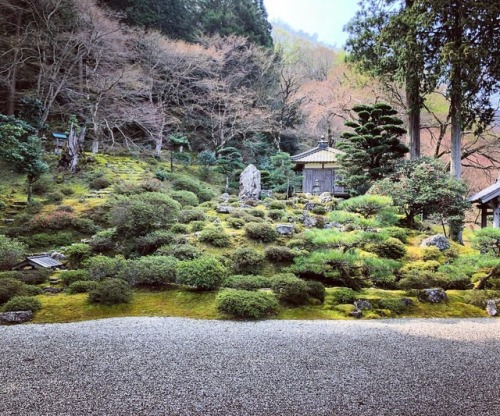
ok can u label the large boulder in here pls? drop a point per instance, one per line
(224, 209)
(309, 221)
(250, 183)
(438, 240)
(325, 197)
(17, 317)
(434, 295)
(362, 304)
(284, 229)
(492, 306)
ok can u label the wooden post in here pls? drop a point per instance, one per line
(484, 216)
(496, 214)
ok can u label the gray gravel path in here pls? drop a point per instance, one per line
(172, 366)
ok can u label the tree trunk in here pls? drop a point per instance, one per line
(75, 148)
(12, 87)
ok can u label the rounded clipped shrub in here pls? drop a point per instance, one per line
(343, 295)
(245, 304)
(396, 306)
(30, 290)
(179, 228)
(100, 183)
(262, 232)
(247, 260)
(431, 253)
(215, 236)
(23, 303)
(11, 252)
(247, 282)
(257, 213)
(236, 223)
(151, 242)
(34, 277)
(280, 254)
(185, 252)
(111, 292)
(391, 248)
(396, 232)
(319, 210)
(152, 270)
(366, 205)
(103, 241)
(185, 198)
(316, 290)
(189, 215)
(186, 183)
(277, 205)
(290, 289)
(203, 273)
(276, 214)
(102, 267)
(197, 226)
(67, 277)
(82, 286)
(9, 288)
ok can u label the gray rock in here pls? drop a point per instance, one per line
(492, 306)
(17, 317)
(438, 240)
(362, 304)
(325, 197)
(330, 225)
(250, 183)
(309, 221)
(224, 209)
(49, 289)
(434, 295)
(57, 256)
(407, 302)
(357, 313)
(266, 193)
(224, 198)
(284, 229)
(309, 206)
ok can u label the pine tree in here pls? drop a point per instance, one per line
(372, 150)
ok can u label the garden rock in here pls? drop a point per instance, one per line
(309, 221)
(434, 295)
(438, 240)
(357, 313)
(284, 229)
(309, 206)
(325, 197)
(224, 198)
(407, 302)
(362, 304)
(492, 306)
(266, 193)
(224, 209)
(250, 183)
(57, 256)
(54, 290)
(17, 317)
(330, 225)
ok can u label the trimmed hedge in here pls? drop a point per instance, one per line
(245, 282)
(290, 289)
(203, 273)
(247, 260)
(23, 303)
(245, 304)
(111, 292)
(262, 232)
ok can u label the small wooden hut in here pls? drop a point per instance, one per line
(42, 261)
(60, 141)
(488, 201)
(319, 169)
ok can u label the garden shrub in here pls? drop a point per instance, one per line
(397, 306)
(67, 191)
(55, 197)
(11, 252)
(277, 205)
(102, 267)
(215, 236)
(162, 175)
(366, 205)
(262, 232)
(151, 270)
(487, 241)
(319, 210)
(57, 220)
(100, 183)
(247, 282)
(185, 198)
(30, 290)
(43, 185)
(316, 290)
(60, 238)
(351, 220)
(67, 277)
(23, 303)
(290, 289)
(34, 277)
(202, 273)
(197, 226)
(396, 232)
(111, 292)
(236, 223)
(280, 254)
(422, 279)
(82, 286)
(246, 304)
(153, 185)
(187, 216)
(141, 214)
(9, 288)
(185, 252)
(247, 260)
(257, 213)
(153, 241)
(343, 295)
(179, 229)
(103, 241)
(431, 253)
(391, 248)
(186, 183)
(77, 254)
(85, 226)
(276, 214)
(479, 297)
(382, 272)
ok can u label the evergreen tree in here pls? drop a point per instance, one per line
(229, 163)
(372, 150)
(282, 177)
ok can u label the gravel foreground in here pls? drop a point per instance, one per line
(174, 366)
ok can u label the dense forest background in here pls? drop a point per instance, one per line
(136, 73)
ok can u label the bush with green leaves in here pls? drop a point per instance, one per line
(366, 205)
(100, 183)
(276, 214)
(104, 241)
(67, 277)
(397, 306)
(479, 297)
(263, 232)
(215, 236)
(246, 304)
(102, 267)
(316, 290)
(141, 214)
(202, 273)
(197, 226)
(11, 252)
(82, 286)
(280, 254)
(289, 289)
(487, 241)
(247, 260)
(180, 252)
(48, 240)
(23, 303)
(319, 210)
(30, 277)
(151, 242)
(431, 253)
(382, 272)
(9, 288)
(179, 228)
(77, 254)
(185, 198)
(352, 220)
(190, 215)
(30, 290)
(152, 270)
(111, 292)
(342, 295)
(391, 248)
(186, 183)
(396, 232)
(236, 223)
(277, 205)
(247, 282)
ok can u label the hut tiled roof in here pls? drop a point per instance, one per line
(320, 154)
(487, 194)
(44, 261)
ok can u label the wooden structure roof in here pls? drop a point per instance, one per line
(486, 195)
(41, 261)
(320, 154)
(488, 201)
